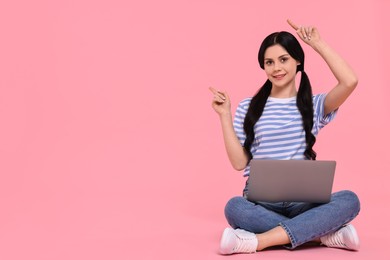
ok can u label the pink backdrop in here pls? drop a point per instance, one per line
(109, 148)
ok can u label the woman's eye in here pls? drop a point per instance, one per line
(268, 62)
(283, 60)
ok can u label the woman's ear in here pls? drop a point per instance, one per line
(299, 66)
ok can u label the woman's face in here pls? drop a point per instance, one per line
(280, 67)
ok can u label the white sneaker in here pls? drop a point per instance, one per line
(346, 237)
(237, 241)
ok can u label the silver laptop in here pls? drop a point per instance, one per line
(290, 180)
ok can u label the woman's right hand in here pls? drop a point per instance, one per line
(221, 102)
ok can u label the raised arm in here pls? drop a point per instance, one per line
(236, 153)
(347, 79)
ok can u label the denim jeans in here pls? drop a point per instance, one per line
(303, 222)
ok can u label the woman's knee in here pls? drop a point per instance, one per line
(350, 200)
(232, 210)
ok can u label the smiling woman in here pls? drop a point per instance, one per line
(281, 123)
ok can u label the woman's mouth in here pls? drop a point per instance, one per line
(279, 76)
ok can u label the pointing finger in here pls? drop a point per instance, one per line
(217, 93)
(213, 90)
(292, 24)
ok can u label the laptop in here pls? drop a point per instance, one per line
(290, 180)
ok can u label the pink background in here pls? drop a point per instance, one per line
(109, 147)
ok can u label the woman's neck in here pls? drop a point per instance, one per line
(283, 92)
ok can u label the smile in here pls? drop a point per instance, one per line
(280, 76)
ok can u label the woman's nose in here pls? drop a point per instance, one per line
(276, 66)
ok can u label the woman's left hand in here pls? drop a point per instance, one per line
(309, 34)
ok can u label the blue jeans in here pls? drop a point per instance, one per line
(303, 222)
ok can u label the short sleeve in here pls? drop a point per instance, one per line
(239, 117)
(320, 118)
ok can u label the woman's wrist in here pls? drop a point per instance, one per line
(225, 115)
(319, 46)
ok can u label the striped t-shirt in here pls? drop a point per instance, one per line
(279, 134)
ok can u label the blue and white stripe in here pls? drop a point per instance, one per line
(279, 134)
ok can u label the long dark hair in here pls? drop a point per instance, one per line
(304, 96)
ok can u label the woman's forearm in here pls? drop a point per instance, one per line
(339, 67)
(236, 153)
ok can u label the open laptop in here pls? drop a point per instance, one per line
(290, 180)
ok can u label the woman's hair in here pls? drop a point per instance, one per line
(304, 96)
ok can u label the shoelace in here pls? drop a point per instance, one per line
(245, 244)
(335, 240)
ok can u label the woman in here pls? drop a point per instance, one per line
(281, 122)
